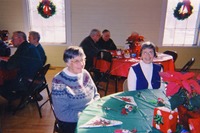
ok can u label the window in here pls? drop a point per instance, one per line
(181, 32)
(52, 29)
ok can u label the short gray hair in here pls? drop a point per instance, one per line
(148, 45)
(94, 32)
(72, 52)
(35, 35)
(20, 34)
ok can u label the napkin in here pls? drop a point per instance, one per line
(98, 121)
(127, 99)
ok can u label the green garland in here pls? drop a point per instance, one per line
(52, 9)
(181, 16)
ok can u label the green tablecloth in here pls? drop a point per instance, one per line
(140, 119)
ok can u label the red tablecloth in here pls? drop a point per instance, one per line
(120, 66)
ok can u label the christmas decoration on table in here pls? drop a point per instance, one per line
(127, 108)
(160, 102)
(46, 8)
(98, 121)
(183, 10)
(134, 41)
(127, 53)
(127, 99)
(165, 120)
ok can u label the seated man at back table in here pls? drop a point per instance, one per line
(26, 60)
(89, 45)
(105, 42)
(4, 49)
(34, 38)
(4, 52)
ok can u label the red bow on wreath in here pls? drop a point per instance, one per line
(183, 10)
(46, 8)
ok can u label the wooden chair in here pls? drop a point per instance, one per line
(188, 65)
(125, 85)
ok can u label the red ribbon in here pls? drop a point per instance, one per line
(186, 4)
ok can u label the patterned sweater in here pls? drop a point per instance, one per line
(72, 93)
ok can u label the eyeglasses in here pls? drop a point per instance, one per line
(149, 53)
(78, 61)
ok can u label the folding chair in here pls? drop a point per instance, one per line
(105, 76)
(36, 85)
(188, 65)
(56, 128)
(172, 53)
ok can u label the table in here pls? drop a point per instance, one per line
(120, 66)
(7, 75)
(141, 119)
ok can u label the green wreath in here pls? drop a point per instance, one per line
(181, 16)
(52, 9)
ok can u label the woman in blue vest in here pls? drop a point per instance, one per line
(145, 74)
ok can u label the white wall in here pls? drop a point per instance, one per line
(121, 17)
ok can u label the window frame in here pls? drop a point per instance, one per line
(68, 23)
(162, 29)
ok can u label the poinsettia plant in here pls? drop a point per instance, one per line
(183, 89)
(133, 39)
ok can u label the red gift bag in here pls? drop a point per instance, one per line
(165, 119)
(185, 115)
(194, 125)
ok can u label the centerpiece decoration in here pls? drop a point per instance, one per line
(134, 41)
(183, 10)
(46, 8)
(183, 90)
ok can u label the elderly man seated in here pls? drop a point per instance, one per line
(26, 60)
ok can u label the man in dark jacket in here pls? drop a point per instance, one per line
(105, 42)
(26, 60)
(89, 45)
(4, 49)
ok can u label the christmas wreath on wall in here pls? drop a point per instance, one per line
(46, 8)
(183, 10)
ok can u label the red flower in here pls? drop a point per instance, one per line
(135, 37)
(178, 80)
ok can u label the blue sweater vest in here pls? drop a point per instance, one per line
(142, 83)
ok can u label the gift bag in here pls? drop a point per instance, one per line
(194, 125)
(165, 119)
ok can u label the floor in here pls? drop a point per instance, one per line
(27, 120)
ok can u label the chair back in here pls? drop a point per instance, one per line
(45, 60)
(188, 65)
(56, 128)
(104, 76)
(172, 53)
(125, 85)
(39, 80)
(35, 86)
(106, 56)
